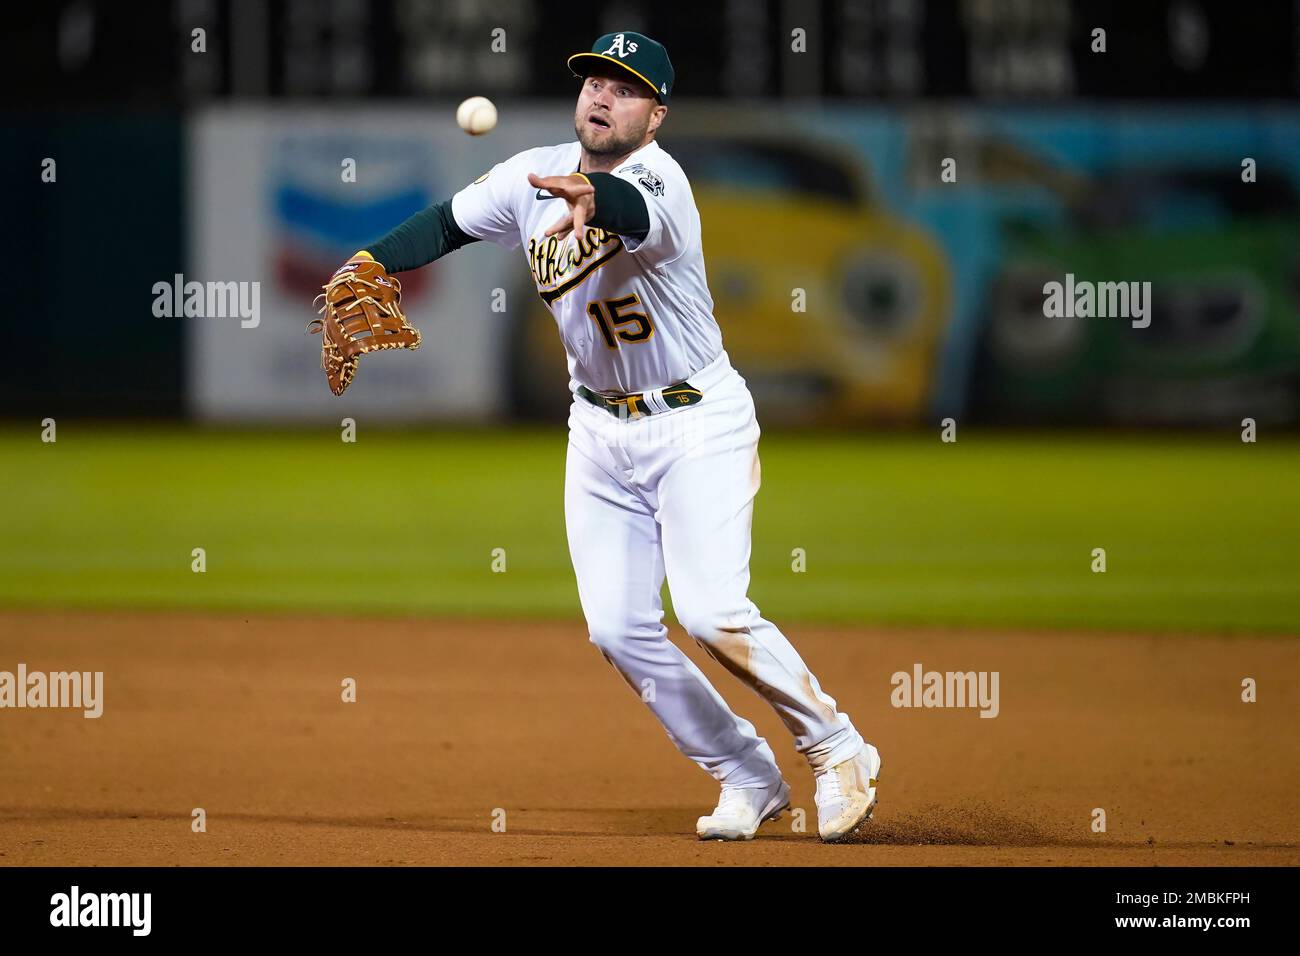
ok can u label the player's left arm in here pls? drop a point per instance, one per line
(425, 237)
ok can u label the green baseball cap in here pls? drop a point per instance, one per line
(644, 58)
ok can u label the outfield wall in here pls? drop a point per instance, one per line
(867, 265)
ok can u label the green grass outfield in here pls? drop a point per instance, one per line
(1201, 533)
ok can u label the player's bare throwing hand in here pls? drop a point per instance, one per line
(577, 191)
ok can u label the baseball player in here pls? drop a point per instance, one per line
(662, 465)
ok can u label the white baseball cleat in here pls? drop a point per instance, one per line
(846, 794)
(740, 812)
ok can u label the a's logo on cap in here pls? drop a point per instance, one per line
(620, 46)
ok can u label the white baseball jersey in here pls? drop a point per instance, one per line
(633, 316)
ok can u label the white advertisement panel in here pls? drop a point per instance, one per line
(280, 197)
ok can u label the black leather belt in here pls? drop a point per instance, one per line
(633, 406)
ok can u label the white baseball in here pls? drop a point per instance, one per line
(476, 115)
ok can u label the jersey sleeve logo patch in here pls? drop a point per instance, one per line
(648, 178)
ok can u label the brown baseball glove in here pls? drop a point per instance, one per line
(362, 313)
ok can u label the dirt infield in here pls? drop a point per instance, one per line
(453, 721)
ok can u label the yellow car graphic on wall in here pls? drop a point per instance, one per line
(831, 306)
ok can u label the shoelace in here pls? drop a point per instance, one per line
(830, 786)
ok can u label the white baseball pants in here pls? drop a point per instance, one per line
(673, 493)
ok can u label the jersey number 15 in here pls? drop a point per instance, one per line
(611, 315)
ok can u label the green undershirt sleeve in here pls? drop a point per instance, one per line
(428, 235)
(620, 207)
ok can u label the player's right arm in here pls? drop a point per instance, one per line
(672, 222)
(596, 199)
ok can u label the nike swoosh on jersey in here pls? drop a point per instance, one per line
(547, 196)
